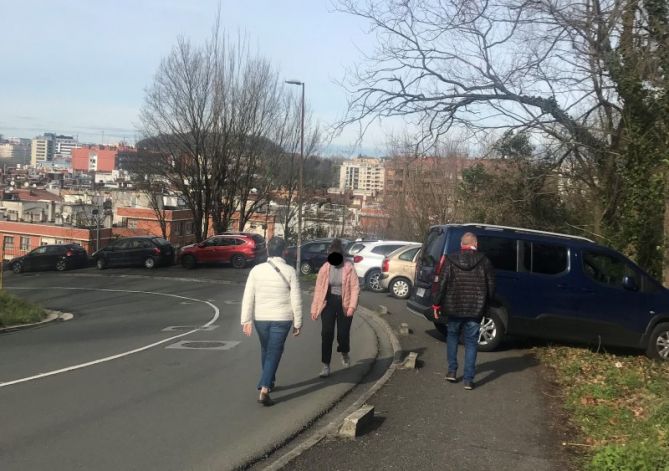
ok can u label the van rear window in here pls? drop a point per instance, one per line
(501, 251)
(433, 247)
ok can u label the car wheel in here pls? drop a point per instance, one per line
(238, 261)
(306, 268)
(374, 281)
(400, 288)
(61, 265)
(101, 263)
(150, 263)
(658, 343)
(491, 332)
(441, 328)
(17, 267)
(188, 261)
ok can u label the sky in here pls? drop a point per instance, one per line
(81, 67)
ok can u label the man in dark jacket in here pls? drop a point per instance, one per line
(466, 287)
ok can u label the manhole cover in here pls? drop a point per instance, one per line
(204, 345)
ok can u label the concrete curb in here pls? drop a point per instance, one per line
(333, 426)
(51, 317)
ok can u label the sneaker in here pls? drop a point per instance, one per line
(469, 385)
(450, 377)
(325, 372)
(345, 360)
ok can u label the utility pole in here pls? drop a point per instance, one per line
(298, 263)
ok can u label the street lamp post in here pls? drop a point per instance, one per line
(299, 191)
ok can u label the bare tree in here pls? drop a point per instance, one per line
(590, 75)
(180, 119)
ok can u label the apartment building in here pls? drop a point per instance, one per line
(15, 149)
(42, 150)
(363, 174)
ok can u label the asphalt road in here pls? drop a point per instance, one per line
(130, 383)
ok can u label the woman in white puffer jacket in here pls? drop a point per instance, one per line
(273, 303)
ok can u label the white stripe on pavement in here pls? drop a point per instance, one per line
(119, 355)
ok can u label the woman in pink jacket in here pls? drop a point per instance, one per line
(335, 301)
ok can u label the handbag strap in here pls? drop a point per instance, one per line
(280, 274)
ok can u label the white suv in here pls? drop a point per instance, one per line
(367, 258)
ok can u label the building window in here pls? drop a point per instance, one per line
(9, 242)
(132, 224)
(25, 243)
(190, 228)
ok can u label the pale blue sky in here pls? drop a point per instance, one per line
(81, 66)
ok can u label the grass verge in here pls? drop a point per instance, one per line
(15, 311)
(620, 405)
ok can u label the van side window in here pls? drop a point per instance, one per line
(502, 252)
(547, 259)
(608, 270)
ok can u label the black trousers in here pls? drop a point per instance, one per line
(334, 314)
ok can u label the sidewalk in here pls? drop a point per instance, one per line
(424, 423)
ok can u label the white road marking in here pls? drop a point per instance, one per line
(229, 303)
(119, 355)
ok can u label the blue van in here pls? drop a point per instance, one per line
(553, 286)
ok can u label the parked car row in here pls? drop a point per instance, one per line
(237, 249)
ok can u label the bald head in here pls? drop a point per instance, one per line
(468, 240)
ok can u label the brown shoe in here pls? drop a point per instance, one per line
(265, 400)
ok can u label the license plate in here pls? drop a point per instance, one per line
(420, 292)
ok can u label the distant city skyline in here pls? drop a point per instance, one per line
(80, 68)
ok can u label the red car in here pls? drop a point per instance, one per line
(238, 249)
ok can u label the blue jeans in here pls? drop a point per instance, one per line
(272, 336)
(470, 329)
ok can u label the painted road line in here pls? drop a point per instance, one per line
(118, 355)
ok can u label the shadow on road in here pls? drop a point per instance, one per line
(362, 369)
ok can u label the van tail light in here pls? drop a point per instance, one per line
(69, 253)
(357, 259)
(156, 250)
(385, 267)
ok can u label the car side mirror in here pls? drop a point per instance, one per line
(630, 284)
(201, 244)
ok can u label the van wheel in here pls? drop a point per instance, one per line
(400, 288)
(491, 332)
(658, 343)
(238, 261)
(101, 264)
(188, 261)
(373, 281)
(61, 265)
(150, 263)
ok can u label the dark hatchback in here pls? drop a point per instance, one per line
(313, 254)
(147, 251)
(59, 257)
(553, 286)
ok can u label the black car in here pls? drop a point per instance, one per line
(313, 254)
(51, 257)
(147, 251)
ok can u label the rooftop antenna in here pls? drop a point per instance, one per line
(103, 138)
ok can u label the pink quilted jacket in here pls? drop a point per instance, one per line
(350, 288)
